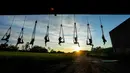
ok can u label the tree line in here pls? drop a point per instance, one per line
(26, 48)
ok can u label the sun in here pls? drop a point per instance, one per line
(77, 49)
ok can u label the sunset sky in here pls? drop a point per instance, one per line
(109, 22)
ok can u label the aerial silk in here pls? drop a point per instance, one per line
(75, 36)
(61, 34)
(33, 34)
(8, 33)
(20, 38)
(103, 37)
(46, 38)
(89, 40)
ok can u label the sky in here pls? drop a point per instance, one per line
(109, 22)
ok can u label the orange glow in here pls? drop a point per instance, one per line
(52, 9)
(77, 49)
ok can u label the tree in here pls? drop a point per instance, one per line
(38, 49)
(12, 48)
(60, 52)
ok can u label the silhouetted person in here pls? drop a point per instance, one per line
(7, 38)
(60, 41)
(46, 39)
(104, 40)
(76, 41)
(32, 41)
(90, 41)
(19, 41)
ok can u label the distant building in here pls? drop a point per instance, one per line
(120, 37)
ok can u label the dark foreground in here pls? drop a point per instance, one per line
(63, 64)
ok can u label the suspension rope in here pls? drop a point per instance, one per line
(8, 32)
(12, 21)
(24, 21)
(61, 29)
(74, 18)
(48, 25)
(101, 25)
(103, 37)
(75, 29)
(47, 33)
(75, 36)
(61, 34)
(89, 35)
(21, 33)
(34, 30)
(48, 19)
(61, 18)
(87, 29)
(33, 34)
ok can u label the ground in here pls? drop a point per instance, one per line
(58, 63)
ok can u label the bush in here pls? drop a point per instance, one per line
(5, 47)
(38, 49)
(12, 48)
(60, 52)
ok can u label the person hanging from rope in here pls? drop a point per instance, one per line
(89, 35)
(33, 34)
(8, 33)
(61, 35)
(47, 36)
(60, 41)
(76, 41)
(75, 35)
(20, 38)
(103, 37)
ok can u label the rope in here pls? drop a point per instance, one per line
(24, 21)
(101, 26)
(63, 34)
(103, 37)
(100, 20)
(87, 31)
(34, 30)
(21, 33)
(60, 31)
(61, 18)
(87, 28)
(87, 21)
(75, 29)
(48, 19)
(74, 18)
(89, 35)
(12, 21)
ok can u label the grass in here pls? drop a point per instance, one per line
(11, 61)
(37, 56)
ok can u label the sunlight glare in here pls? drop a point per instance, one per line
(77, 49)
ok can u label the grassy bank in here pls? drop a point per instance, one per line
(37, 56)
(26, 61)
